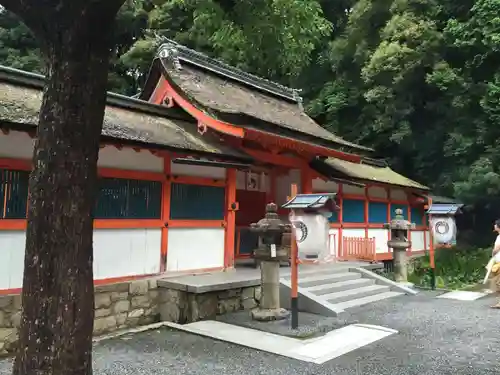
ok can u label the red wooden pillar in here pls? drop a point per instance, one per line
(366, 211)
(389, 215)
(341, 219)
(410, 249)
(271, 194)
(231, 208)
(306, 181)
(165, 211)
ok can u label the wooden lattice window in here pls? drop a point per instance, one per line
(128, 199)
(197, 202)
(13, 194)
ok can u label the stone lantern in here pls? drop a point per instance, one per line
(399, 243)
(270, 254)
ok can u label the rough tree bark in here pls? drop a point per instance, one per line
(58, 297)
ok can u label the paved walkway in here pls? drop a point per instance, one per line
(437, 337)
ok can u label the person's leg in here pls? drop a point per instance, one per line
(495, 287)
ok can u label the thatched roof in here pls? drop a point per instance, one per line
(245, 100)
(367, 172)
(126, 119)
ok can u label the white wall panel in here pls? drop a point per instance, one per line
(381, 237)
(195, 248)
(126, 252)
(321, 186)
(12, 244)
(198, 171)
(417, 240)
(16, 145)
(128, 158)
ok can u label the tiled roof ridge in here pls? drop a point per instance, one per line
(177, 52)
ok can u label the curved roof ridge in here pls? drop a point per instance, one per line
(178, 52)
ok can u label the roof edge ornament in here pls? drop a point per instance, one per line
(298, 98)
(173, 50)
(170, 52)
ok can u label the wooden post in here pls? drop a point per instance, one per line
(294, 304)
(165, 211)
(229, 245)
(431, 250)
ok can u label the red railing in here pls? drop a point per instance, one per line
(358, 248)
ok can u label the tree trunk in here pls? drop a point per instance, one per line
(55, 335)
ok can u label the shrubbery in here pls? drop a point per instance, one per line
(456, 268)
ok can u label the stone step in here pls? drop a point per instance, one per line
(325, 270)
(366, 300)
(305, 282)
(357, 293)
(320, 290)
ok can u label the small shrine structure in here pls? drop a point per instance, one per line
(187, 167)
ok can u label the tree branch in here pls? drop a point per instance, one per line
(50, 19)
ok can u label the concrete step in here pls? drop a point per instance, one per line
(366, 300)
(309, 281)
(320, 290)
(347, 295)
(315, 271)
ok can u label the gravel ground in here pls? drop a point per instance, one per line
(437, 337)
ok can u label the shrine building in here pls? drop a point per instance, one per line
(187, 167)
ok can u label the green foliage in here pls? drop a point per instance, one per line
(455, 268)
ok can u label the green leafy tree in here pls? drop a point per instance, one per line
(273, 38)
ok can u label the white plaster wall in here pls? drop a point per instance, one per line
(427, 239)
(16, 145)
(351, 232)
(284, 183)
(381, 237)
(128, 158)
(195, 248)
(321, 186)
(265, 184)
(398, 195)
(126, 252)
(417, 240)
(117, 253)
(353, 190)
(12, 245)
(377, 192)
(197, 171)
(20, 145)
(334, 241)
(240, 180)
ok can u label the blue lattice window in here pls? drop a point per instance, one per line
(13, 194)
(417, 214)
(353, 211)
(197, 202)
(120, 198)
(334, 218)
(377, 212)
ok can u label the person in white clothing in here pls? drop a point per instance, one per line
(496, 228)
(495, 281)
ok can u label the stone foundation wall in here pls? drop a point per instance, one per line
(183, 307)
(117, 306)
(141, 302)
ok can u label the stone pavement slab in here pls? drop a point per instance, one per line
(317, 350)
(462, 295)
